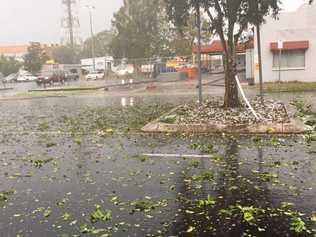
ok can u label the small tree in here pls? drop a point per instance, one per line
(35, 58)
(229, 19)
(9, 65)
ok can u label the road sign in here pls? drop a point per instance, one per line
(280, 44)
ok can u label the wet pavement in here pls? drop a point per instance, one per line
(75, 166)
(16, 88)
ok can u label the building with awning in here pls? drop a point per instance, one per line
(289, 46)
(212, 55)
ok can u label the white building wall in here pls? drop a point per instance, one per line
(101, 63)
(250, 65)
(291, 26)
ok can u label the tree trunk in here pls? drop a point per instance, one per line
(231, 99)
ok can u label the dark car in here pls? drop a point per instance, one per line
(50, 78)
(72, 75)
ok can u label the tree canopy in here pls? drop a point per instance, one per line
(228, 19)
(142, 29)
(66, 54)
(9, 65)
(101, 42)
(138, 29)
(35, 58)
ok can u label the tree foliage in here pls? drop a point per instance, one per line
(228, 19)
(139, 32)
(9, 65)
(35, 58)
(143, 30)
(66, 54)
(184, 37)
(101, 42)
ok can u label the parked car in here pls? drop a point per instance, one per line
(10, 78)
(26, 78)
(124, 70)
(51, 77)
(72, 75)
(95, 75)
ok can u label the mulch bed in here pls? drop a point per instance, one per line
(212, 117)
(212, 111)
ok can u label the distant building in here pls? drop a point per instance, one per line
(212, 56)
(297, 31)
(15, 51)
(19, 51)
(101, 64)
(61, 67)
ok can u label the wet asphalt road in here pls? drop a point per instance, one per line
(56, 177)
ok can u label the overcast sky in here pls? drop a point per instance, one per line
(39, 20)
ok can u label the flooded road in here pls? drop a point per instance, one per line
(76, 167)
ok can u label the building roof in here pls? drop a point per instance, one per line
(216, 47)
(291, 45)
(13, 49)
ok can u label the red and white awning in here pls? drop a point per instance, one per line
(291, 45)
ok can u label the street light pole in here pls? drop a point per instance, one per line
(92, 36)
(198, 21)
(259, 52)
(260, 61)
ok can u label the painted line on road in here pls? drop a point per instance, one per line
(178, 155)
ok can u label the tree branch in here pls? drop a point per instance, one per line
(218, 24)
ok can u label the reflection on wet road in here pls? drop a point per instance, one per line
(127, 101)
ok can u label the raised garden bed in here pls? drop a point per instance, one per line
(213, 118)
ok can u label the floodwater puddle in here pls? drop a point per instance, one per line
(130, 101)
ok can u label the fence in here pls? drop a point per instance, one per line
(143, 68)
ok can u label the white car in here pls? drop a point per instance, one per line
(11, 78)
(95, 76)
(124, 70)
(26, 78)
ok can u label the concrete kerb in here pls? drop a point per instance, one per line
(294, 127)
(68, 89)
(6, 89)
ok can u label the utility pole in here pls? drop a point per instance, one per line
(92, 36)
(70, 23)
(198, 23)
(259, 53)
